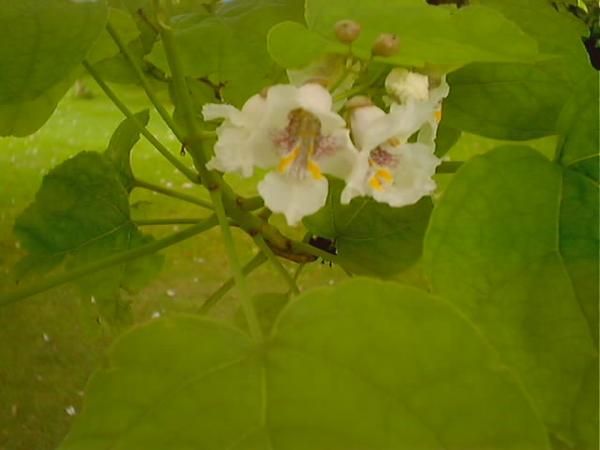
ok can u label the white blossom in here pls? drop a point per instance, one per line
(389, 168)
(292, 130)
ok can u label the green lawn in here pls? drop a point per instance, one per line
(50, 343)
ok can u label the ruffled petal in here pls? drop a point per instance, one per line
(412, 176)
(406, 85)
(362, 120)
(371, 127)
(341, 157)
(293, 197)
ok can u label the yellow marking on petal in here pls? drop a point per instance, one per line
(375, 183)
(381, 179)
(385, 175)
(287, 160)
(438, 115)
(314, 170)
(394, 142)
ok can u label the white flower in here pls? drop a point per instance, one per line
(294, 130)
(406, 86)
(388, 168)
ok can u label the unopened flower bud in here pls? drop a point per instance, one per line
(387, 44)
(359, 101)
(347, 31)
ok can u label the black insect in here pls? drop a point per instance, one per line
(327, 245)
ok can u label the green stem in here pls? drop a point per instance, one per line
(171, 193)
(347, 70)
(298, 271)
(449, 166)
(236, 268)
(170, 221)
(262, 245)
(189, 173)
(110, 261)
(248, 268)
(144, 82)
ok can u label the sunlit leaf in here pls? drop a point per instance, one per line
(268, 305)
(428, 35)
(364, 365)
(513, 244)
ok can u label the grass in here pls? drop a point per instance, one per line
(50, 343)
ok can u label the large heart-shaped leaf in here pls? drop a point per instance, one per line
(521, 101)
(365, 365)
(513, 243)
(228, 50)
(427, 34)
(42, 43)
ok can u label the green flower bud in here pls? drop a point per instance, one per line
(347, 31)
(387, 44)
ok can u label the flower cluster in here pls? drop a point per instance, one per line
(297, 134)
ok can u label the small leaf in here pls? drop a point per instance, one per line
(121, 143)
(80, 214)
(365, 365)
(370, 237)
(513, 244)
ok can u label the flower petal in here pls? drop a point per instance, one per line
(293, 197)
(357, 181)
(412, 176)
(341, 158)
(406, 85)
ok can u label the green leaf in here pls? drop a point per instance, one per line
(121, 143)
(22, 118)
(44, 40)
(428, 34)
(521, 101)
(513, 244)
(267, 305)
(370, 237)
(236, 55)
(506, 101)
(363, 365)
(578, 126)
(80, 214)
(105, 47)
(446, 138)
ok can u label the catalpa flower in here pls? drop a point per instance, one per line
(293, 130)
(388, 168)
(411, 87)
